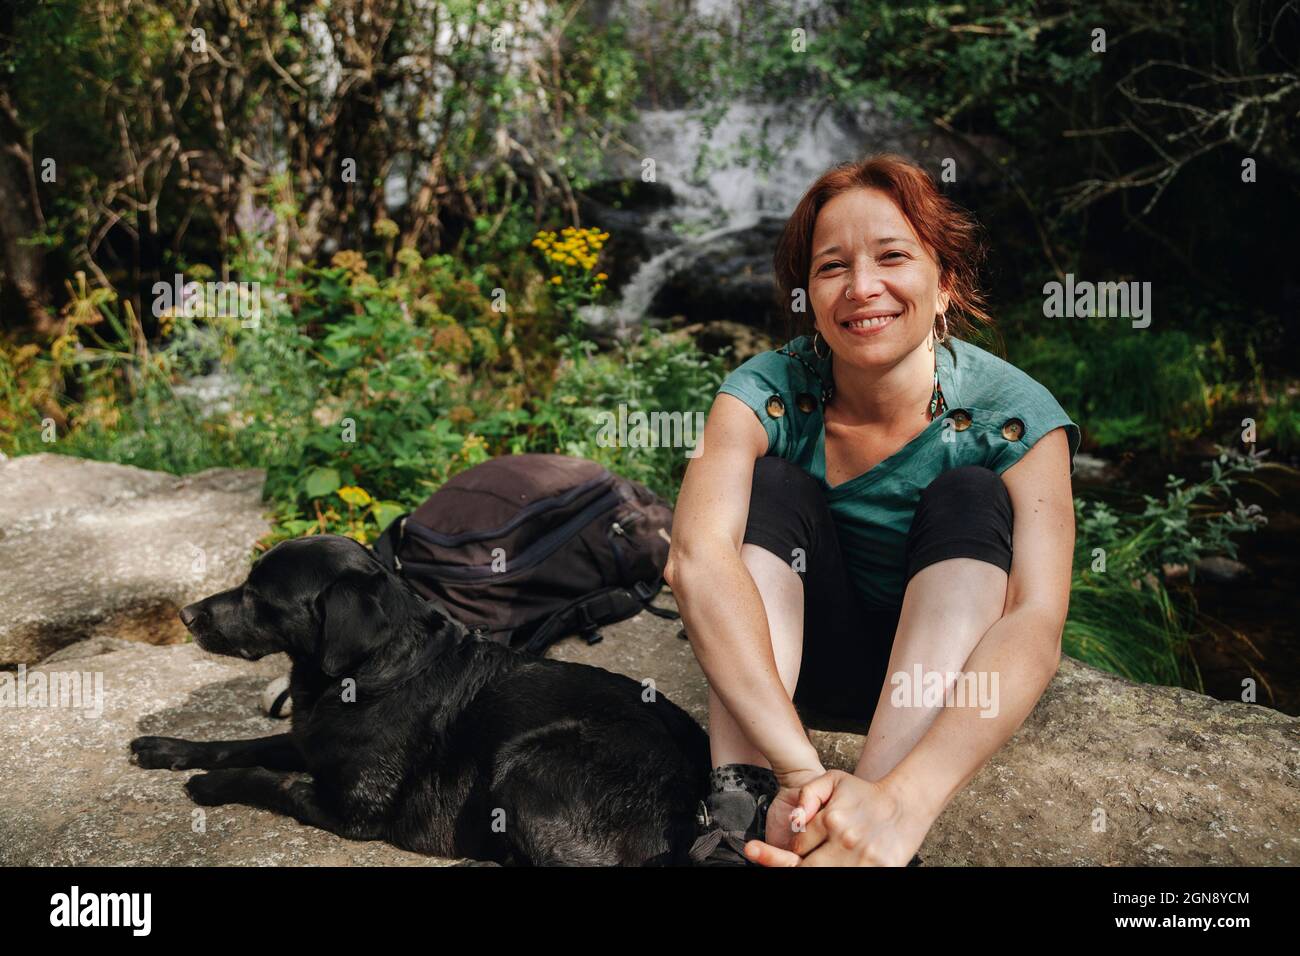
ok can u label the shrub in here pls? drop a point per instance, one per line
(1122, 616)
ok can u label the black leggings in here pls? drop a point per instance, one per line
(964, 513)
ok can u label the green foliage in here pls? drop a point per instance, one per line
(1279, 424)
(101, 376)
(1130, 389)
(167, 116)
(358, 394)
(1136, 632)
(1122, 616)
(654, 373)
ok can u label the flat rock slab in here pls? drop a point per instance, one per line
(89, 548)
(72, 798)
(1104, 771)
(1181, 778)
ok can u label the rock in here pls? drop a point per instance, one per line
(1221, 570)
(1089, 469)
(90, 547)
(729, 277)
(1181, 779)
(71, 798)
(740, 341)
(631, 211)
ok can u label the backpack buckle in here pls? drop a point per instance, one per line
(587, 627)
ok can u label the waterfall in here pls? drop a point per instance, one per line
(718, 191)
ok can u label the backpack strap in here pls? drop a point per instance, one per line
(385, 549)
(390, 542)
(647, 594)
(585, 616)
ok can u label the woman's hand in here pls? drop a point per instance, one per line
(841, 820)
(778, 827)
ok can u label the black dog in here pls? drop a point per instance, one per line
(439, 742)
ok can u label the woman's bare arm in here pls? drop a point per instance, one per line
(1023, 648)
(719, 602)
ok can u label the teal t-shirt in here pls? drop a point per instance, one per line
(995, 413)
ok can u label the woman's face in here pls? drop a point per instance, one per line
(873, 285)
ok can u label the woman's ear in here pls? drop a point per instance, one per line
(353, 624)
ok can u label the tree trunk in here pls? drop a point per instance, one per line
(20, 217)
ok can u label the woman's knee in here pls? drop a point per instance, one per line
(782, 480)
(964, 512)
(967, 480)
(787, 509)
(967, 490)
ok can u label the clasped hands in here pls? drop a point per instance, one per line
(832, 818)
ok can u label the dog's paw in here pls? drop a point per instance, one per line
(161, 753)
(213, 788)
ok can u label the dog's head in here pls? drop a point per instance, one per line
(324, 599)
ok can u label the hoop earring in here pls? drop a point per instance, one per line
(943, 335)
(817, 335)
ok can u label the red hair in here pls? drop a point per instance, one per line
(950, 234)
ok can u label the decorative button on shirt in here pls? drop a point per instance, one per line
(1013, 429)
(775, 407)
(805, 402)
(960, 419)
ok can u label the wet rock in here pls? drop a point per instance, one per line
(1221, 570)
(1089, 469)
(730, 277)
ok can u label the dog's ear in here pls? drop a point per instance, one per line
(353, 621)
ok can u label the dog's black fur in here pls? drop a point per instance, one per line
(452, 745)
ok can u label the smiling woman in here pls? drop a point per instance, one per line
(876, 498)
